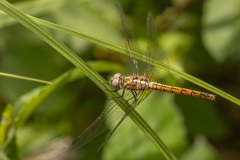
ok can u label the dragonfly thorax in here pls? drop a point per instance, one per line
(117, 81)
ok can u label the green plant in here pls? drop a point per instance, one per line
(25, 106)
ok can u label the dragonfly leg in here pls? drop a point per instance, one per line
(111, 90)
(116, 91)
(134, 95)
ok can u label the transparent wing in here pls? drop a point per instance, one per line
(154, 52)
(111, 115)
(137, 67)
(141, 95)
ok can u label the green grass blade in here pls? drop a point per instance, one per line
(140, 57)
(23, 78)
(79, 63)
(77, 34)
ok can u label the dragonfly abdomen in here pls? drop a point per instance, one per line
(180, 90)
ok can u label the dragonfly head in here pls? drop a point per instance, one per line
(116, 81)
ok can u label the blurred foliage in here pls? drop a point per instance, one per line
(199, 38)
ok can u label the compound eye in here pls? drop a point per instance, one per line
(115, 83)
(117, 75)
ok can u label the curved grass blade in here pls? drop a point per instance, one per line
(140, 57)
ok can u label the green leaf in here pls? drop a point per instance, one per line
(12, 151)
(221, 25)
(6, 124)
(212, 125)
(200, 150)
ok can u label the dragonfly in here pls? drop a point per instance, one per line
(136, 87)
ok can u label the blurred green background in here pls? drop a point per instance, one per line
(200, 38)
